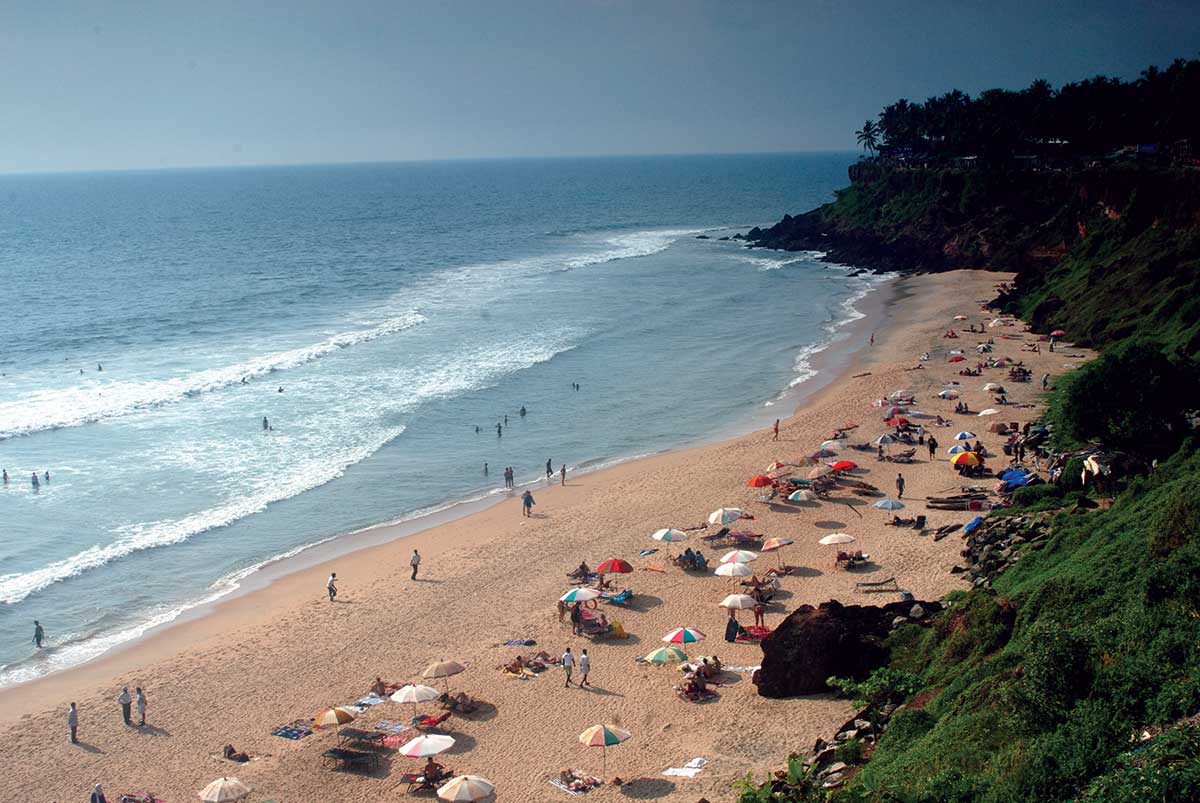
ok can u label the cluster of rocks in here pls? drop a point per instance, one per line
(831, 763)
(995, 545)
(831, 640)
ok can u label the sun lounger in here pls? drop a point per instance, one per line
(418, 783)
(139, 797)
(350, 759)
(877, 586)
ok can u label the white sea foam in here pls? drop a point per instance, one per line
(775, 263)
(75, 406)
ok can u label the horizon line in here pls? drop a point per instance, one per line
(432, 160)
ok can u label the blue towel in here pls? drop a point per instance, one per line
(646, 552)
(520, 642)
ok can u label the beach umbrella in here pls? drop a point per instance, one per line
(605, 736)
(224, 790)
(954, 351)
(897, 421)
(821, 454)
(724, 515)
(332, 717)
(964, 436)
(444, 669)
(669, 535)
(956, 358)
(614, 566)
(760, 481)
(994, 387)
(889, 504)
(733, 570)
(683, 635)
(892, 411)
(988, 411)
(958, 449)
(772, 544)
(948, 394)
(579, 595)
(834, 445)
(903, 393)
(960, 317)
(966, 459)
(739, 556)
(738, 602)
(776, 466)
(1058, 333)
(415, 693)
(803, 495)
(983, 348)
(666, 655)
(884, 440)
(429, 744)
(836, 538)
(466, 788)
(844, 465)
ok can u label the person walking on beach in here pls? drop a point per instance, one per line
(415, 561)
(39, 634)
(899, 486)
(872, 338)
(932, 444)
(1045, 381)
(775, 431)
(549, 469)
(568, 665)
(73, 723)
(562, 475)
(331, 585)
(585, 666)
(140, 701)
(126, 701)
(527, 504)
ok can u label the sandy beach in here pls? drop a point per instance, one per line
(283, 652)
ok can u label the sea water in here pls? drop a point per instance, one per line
(375, 315)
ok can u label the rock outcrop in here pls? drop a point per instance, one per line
(813, 644)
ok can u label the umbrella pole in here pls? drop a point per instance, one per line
(603, 761)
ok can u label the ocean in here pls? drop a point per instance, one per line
(375, 315)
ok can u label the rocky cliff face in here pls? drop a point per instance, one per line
(813, 644)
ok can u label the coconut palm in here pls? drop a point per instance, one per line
(868, 136)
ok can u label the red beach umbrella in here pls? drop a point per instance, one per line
(844, 465)
(614, 566)
(897, 421)
(760, 481)
(956, 358)
(1058, 333)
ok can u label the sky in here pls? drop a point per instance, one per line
(159, 83)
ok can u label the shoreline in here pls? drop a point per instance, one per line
(872, 309)
(284, 652)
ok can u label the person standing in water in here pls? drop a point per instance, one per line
(485, 469)
(562, 474)
(872, 338)
(39, 634)
(46, 477)
(266, 424)
(36, 484)
(499, 430)
(6, 476)
(549, 469)
(522, 411)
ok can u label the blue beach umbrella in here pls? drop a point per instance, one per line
(889, 504)
(958, 449)
(964, 436)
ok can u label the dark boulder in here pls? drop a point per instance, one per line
(813, 644)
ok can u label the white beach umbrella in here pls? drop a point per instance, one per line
(994, 387)
(724, 515)
(739, 556)
(733, 570)
(443, 669)
(668, 534)
(224, 790)
(948, 394)
(580, 595)
(989, 411)
(415, 693)
(466, 788)
(965, 435)
(803, 495)
(833, 446)
(429, 744)
(836, 538)
(884, 440)
(738, 602)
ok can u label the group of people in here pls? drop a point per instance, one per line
(45, 478)
(127, 702)
(693, 559)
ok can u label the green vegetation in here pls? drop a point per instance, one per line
(883, 685)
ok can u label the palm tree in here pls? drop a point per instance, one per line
(868, 136)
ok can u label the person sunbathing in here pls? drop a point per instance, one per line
(784, 570)
(753, 582)
(581, 573)
(432, 771)
(232, 754)
(460, 703)
(382, 688)
(762, 596)
(517, 666)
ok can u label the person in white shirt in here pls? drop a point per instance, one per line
(126, 701)
(415, 561)
(585, 665)
(568, 665)
(140, 701)
(331, 586)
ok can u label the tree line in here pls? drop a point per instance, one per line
(1090, 118)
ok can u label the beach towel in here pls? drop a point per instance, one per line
(697, 763)
(740, 668)
(686, 772)
(565, 788)
(288, 732)
(646, 552)
(520, 642)
(654, 569)
(370, 700)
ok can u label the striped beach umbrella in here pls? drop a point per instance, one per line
(772, 544)
(733, 570)
(579, 595)
(964, 436)
(666, 655)
(819, 471)
(884, 440)
(725, 515)
(224, 790)
(429, 744)
(803, 495)
(822, 454)
(668, 534)
(614, 566)
(466, 788)
(683, 635)
(833, 445)
(776, 466)
(332, 717)
(948, 394)
(739, 556)
(604, 736)
(966, 459)
(959, 449)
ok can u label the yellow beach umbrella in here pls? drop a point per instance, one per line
(666, 655)
(332, 717)
(966, 459)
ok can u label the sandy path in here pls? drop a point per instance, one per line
(284, 652)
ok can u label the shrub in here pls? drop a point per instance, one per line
(882, 685)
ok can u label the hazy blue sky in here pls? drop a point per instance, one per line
(164, 83)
